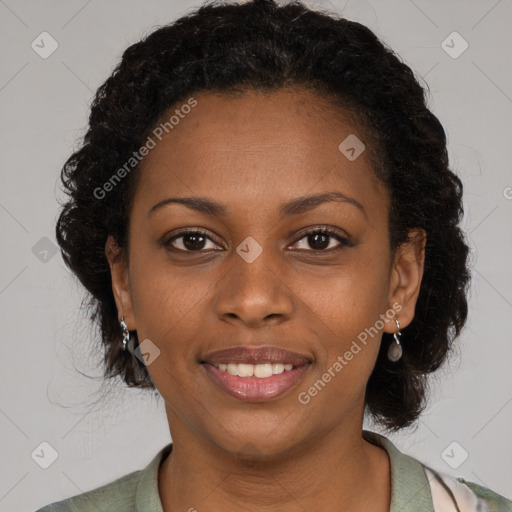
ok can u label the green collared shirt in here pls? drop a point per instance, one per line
(414, 488)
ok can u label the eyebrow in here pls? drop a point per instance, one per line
(294, 207)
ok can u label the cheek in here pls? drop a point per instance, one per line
(347, 324)
(161, 291)
(347, 313)
(168, 312)
(168, 307)
(354, 295)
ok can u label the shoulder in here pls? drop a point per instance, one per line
(455, 493)
(136, 491)
(416, 487)
(116, 496)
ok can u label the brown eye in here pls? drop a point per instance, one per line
(322, 239)
(316, 240)
(189, 241)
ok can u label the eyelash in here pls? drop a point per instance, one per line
(344, 242)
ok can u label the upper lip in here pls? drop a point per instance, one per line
(256, 355)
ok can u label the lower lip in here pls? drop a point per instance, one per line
(254, 389)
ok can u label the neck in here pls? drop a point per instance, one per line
(338, 471)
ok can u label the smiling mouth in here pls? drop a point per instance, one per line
(263, 386)
(259, 371)
(255, 374)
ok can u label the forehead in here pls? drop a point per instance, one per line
(257, 147)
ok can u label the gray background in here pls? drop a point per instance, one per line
(46, 340)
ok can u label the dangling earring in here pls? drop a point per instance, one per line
(126, 333)
(395, 348)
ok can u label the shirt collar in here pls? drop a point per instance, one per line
(147, 497)
(410, 489)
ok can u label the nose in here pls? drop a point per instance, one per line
(256, 293)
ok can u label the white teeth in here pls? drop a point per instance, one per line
(277, 368)
(245, 370)
(260, 371)
(232, 369)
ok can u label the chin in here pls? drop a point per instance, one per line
(262, 444)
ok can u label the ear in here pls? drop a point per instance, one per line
(120, 282)
(405, 279)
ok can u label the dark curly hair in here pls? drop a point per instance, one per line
(259, 45)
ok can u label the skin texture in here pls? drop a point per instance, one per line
(252, 153)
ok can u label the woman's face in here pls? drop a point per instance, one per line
(255, 278)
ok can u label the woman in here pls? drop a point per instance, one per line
(263, 212)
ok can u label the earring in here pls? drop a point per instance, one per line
(126, 333)
(395, 348)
